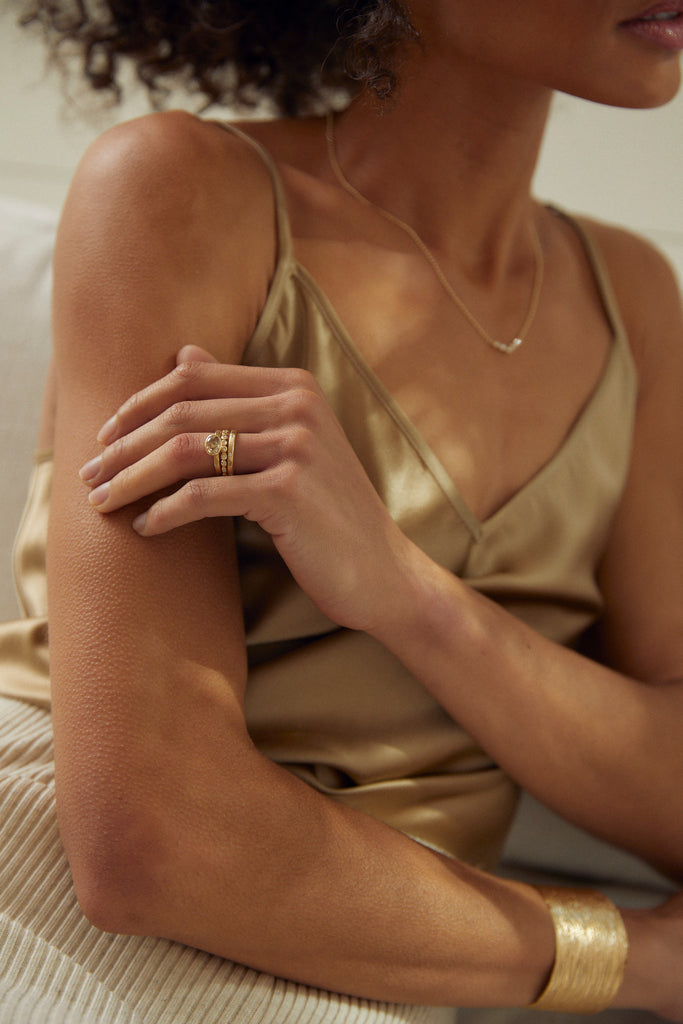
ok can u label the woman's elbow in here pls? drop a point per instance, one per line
(111, 907)
(117, 866)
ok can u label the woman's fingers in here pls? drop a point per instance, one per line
(179, 419)
(194, 354)
(202, 381)
(244, 415)
(200, 498)
(182, 457)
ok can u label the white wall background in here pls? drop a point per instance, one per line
(620, 165)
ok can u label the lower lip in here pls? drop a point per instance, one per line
(666, 34)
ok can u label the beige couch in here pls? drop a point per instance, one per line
(540, 846)
(26, 239)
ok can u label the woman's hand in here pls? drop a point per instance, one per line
(295, 474)
(653, 972)
(669, 918)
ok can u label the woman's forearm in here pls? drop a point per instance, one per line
(270, 873)
(287, 881)
(603, 750)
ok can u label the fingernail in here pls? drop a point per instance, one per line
(108, 431)
(139, 523)
(91, 469)
(99, 495)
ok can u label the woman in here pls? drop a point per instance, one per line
(504, 489)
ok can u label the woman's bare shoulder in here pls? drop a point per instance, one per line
(176, 202)
(175, 151)
(648, 293)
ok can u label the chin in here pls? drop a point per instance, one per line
(647, 100)
(638, 94)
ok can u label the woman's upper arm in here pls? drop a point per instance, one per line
(147, 649)
(642, 572)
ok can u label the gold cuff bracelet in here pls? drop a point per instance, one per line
(591, 947)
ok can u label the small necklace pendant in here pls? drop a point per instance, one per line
(508, 348)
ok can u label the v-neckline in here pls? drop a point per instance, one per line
(287, 264)
(476, 526)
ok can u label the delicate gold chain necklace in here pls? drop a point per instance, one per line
(501, 346)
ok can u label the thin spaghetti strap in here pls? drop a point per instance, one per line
(284, 233)
(600, 272)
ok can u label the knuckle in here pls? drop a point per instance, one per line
(296, 377)
(195, 493)
(120, 484)
(181, 450)
(178, 415)
(283, 482)
(298, 446)
(131, 407)
(117, 454)
(276, 484)
(187, 374)
(304, 406)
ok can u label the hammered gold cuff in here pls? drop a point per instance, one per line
(591, 947)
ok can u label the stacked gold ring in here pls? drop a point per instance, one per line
(221, 446)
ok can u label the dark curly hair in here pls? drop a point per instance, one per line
(239, 52)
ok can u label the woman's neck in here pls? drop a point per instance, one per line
(453, 156)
